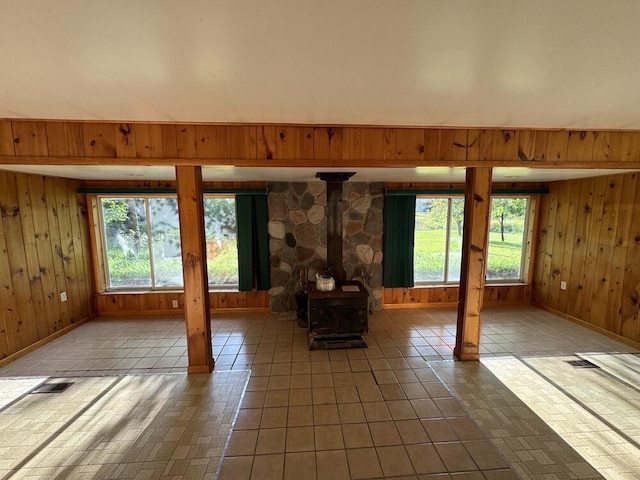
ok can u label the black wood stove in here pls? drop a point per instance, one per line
(338, 318)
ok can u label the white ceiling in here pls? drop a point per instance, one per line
(571, 64)
(493, 63)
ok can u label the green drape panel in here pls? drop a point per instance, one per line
(399, 226)
(253, 242)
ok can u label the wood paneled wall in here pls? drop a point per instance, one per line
(419, 297)
(44, 251)
(146, 303)
(282, 145)
(589, 237)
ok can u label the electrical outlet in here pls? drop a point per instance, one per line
(175, 304)
(63, 296)
(563, 285)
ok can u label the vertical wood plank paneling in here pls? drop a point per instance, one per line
(410, 144)
(352, 143)
(169, 141)
(572, 204)
(84, 256)
(242, 141)
(390, 151)
(266, 148)
(148, 142)
(327, 143)
(57, 139)
(604, 264)
(546, 243)
(480, 144)
(601, 252)
(56, 249)
(372, 144)
(75, 139)
(99, 139)
(580, 242)
(453, 145)
(211, 141)
(504, 145)
(186, 141)
(6, 139)
(589, 282)
(557, 146)
(125, 135)
(527, 145)
(30, 139)
(540, 146)
(618, 302)
(10, 338)
(67, 248)
(630, 146)
(42, 237)
(288, 143)
(32, 261)
(600, 151)
(431, 145)
(580, 146)
(556, 254)
(24, 332)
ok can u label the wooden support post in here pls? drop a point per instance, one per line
(477, 209)
(194, 268)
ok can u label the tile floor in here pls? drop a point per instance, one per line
(401, 408)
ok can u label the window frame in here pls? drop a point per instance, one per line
(101, 247)
(524, 254)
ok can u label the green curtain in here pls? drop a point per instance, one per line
(253, 242)
(399, 226)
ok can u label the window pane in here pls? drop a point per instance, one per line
(165, 235)
(125, 229)
(455, 239)
(430, 239)
(506, 237)
(222, 247)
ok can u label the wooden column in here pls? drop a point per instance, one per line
(194, 268)
(477, 209)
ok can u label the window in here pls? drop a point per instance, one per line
(438, 239)
(141, 242)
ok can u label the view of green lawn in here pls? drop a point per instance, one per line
(429, 260)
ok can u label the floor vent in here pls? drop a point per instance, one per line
(582, 364)
(52, 387)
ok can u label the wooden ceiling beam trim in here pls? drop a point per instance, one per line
(77, 143)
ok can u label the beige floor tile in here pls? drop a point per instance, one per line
(357, 435)
(300, 466)
(242, 442)
(300, 416)
(384, 434)
(274, 417)
(484, 455)
(347, 395)
(363, 463)
(425, 459)
(236, 468)
(328, 437)
(323, 396)
(325, 415)
(376, 411)
(300, 439)
(351, 413)
(455, 457)
(271, 440)
(332, 465)
(394, 461)
(412, 431)
(268, 467)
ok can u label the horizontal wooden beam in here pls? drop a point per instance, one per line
(28, 142)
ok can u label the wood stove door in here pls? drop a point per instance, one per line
(338, 316)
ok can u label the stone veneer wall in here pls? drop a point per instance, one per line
(298, 236)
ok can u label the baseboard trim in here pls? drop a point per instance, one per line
(393, 306)
(179, 311)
